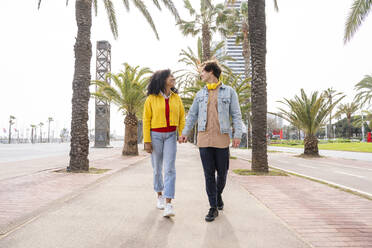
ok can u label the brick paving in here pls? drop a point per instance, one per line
(320, 215)
(25, 196)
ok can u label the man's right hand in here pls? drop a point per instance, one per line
(182, 139)
(148, 147)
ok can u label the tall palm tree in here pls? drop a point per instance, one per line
(358, 13)
(41, 129)
(330, 93)
(192, 60)
(364, 89)
(33, 128)
(257, 38)
(348, 109)
(128, 93)
(309, 114)
(11, 122)
(240, 25)
(209, 20)
(81, 81)
(50, 119)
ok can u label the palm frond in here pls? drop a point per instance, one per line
(189, 7)
(95, 7)
(126, 4)
(171, 7)
(156, 3)
(359, 11)
(38, 4)
(364, 89)
(109, 6)
(143, 9)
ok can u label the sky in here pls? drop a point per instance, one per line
(305, 49)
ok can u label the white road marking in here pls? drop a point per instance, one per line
(340, 172)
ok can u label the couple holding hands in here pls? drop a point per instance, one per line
(164, 114)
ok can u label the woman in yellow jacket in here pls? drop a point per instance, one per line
(163, 115)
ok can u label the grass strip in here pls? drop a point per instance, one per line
(92, 170)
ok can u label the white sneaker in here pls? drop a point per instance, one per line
(160, 203)
(168, 211)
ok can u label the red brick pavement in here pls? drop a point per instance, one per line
(23, 197)
(321, 215)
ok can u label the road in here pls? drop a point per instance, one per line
(347, 173)
(365, 156)
(19, 152)
(18, 160)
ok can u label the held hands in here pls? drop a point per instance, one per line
(182, 139)
(148, 147)
(235, 143)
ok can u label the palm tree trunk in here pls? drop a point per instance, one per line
(80, 85)
(206, 40)
(247, 72)
(349, 124)
(48, 131)
(257, 37)
(330, 120)
(130, 138)
(311, 145)
(10, 132)
(32, 135)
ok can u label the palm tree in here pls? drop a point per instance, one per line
(309, 114)
(41, 135)
(50, 119)
(193, 60)
(81, 81)
(364, 89)
(358, 13)
(210, 20)
(257, 39)
(330, 93)
(348, 109)
(128, 93)
(361, 120)
(11, 122)
(33, 127)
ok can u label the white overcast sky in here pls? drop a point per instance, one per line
(304, 50)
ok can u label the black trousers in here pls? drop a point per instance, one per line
(214, 160)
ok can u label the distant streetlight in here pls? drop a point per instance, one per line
(11, 122)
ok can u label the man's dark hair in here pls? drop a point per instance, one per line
(212, 66)
(157, 82)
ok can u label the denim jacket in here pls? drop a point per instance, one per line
(228, 105)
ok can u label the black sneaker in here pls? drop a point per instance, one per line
(212, 214)
(219, 202)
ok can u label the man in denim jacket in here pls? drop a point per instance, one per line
(212, 107)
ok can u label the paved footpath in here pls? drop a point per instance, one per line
(118, 210)
(321, 215)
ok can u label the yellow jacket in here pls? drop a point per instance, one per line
(154, 114)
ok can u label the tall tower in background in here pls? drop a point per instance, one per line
(102, 120)
(233, 50)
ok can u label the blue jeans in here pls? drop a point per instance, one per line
(164, 149)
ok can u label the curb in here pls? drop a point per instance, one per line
(332, 184)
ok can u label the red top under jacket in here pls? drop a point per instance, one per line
(168, 128)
